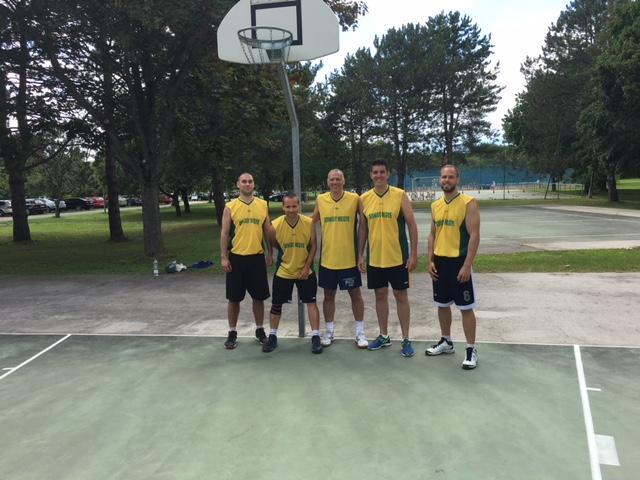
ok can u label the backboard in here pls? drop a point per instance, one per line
(313, 25)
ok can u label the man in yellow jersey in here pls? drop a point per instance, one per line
(245, 227)
(337, 211)
(384, 213)
(294, 237)
(453, 244)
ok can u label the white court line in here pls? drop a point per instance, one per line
(607, 451)
(33, 358)
(596, 474)
(594, 389)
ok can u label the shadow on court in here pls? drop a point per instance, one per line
(184, 408)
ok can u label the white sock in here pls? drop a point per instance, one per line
(471, 345)
(359, 328)
(330, 327)
(274, 331)
(447, 337)
(232, 329)
(315, 332)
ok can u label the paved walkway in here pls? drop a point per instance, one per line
(588, 309)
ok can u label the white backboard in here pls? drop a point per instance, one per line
(313, 25)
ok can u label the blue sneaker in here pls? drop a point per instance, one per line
(407, 349)
(380, 342)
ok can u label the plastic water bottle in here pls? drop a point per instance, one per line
(155, 267)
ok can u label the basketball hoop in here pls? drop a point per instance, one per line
(265, 44)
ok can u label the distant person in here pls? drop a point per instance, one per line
(245, 229)
(453, 244)
(493, 186)
(294, 237)
(337, 211)
(384, 211)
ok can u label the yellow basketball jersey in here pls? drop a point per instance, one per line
(247, 220)
(339, 230)
(452, 238)
(293, 245)
(387, 240)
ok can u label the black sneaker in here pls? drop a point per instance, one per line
(232, 340)
(316, 345)
(271, 344)
(261, 337)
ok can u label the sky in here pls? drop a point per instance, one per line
(517, 29)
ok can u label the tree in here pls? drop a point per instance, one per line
(463, 88)
(611, 122)
(402, 88)
(33, 113)
(153, 46)
(543, 124)
(350, 107)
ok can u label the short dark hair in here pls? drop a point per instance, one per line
(290, 195)
(382, 163)
(448, 165)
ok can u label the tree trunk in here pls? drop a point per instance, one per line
(21, 231)
(612, 187)
(116, 233)
(185, 200)
(175, 203)
(152, 228)
(218, 196)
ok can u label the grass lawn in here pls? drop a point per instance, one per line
(77, 244)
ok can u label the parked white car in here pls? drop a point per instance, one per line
(5, 208)
(51, 205)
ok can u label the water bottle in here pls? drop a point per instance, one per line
(155, 267)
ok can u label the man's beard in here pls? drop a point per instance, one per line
(447, 188)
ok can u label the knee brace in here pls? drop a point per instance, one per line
(276, 310)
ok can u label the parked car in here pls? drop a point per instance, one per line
(36, 207)
(122, 201)
(166, 199)
(134, 202)
(51, 204)
(77, 203)
(98, 202)
(5, 208)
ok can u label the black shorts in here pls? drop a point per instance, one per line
(346, 279)
(447, 289)
(378, 277)
(283, 287)
(248, 274)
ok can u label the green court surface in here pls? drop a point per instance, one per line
(116, 407)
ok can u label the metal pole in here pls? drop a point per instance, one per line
(295, 153)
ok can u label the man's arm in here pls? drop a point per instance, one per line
(268, 232)
(362, 237)
(410, 218)
(315, 216)
(313, 246)
(431, 246)
(472, 222)
(224, 240)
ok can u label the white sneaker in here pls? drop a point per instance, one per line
(327, 339)
(361, 341)
(471, 359)
(443, 346)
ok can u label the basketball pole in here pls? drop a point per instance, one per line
(295, 154)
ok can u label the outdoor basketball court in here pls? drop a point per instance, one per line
(163, 407)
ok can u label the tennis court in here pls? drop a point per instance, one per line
(163, 407)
